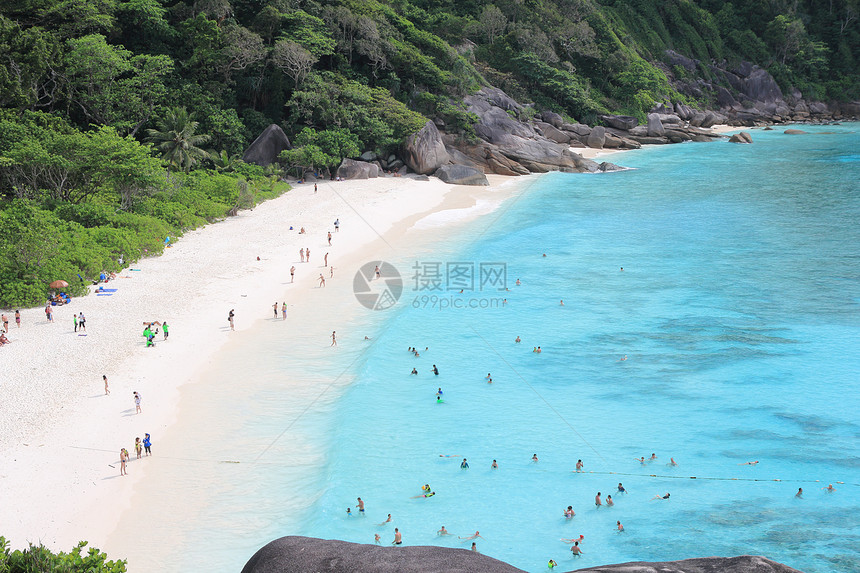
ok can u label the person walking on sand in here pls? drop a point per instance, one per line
(333, 338)
(107, 390)
(5, 322)
(147, 444)
(82, 322)
(329, 238)
(292, 273)
(18, 318)
(302, 254)
(315, 187)
(284, 311)
(325, 258)
(322, 281)
(336, 225)
(137, 403)
(49, 313)
(123, 458)
(230, 319)
(307, 255)
(75, 321)
(138, 447)
(165, 329)
(275, 309)
(376, 271)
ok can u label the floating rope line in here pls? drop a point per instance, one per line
(628, 474)
(713, 478)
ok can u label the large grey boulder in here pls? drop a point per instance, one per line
(266, 148)
(553, 133)
(424, 151)
(461, 175)
(352, 169)
(740, 564)
(552, 118)
(741, 137)
(655, 126)
(307, 554)
(597, 137)
(625, 122)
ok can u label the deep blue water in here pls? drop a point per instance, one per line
(737, 311)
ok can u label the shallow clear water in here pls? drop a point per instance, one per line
(737, 311)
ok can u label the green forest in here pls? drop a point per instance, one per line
(122, 121)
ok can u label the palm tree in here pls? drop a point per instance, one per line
(176, 140)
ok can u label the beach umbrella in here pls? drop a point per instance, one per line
(59, 284)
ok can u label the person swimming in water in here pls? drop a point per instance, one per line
(609, 502)
(575, 549)
(443, 531)
(414, 371)
(619, 527)
(430, 494)
(464, 465)
(386, 521)
(435, 370)
(621, 488)
(534, 458)
(473, 536)
(494, 465)
(569, 513)
(658, 496)
(551, 564)
(574, 540)
(579, 465)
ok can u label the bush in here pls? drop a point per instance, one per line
(38, 559)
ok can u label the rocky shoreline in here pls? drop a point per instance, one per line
(295, 554)
(513, 139)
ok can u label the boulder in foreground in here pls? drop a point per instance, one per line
(295, 554)
(741, 137)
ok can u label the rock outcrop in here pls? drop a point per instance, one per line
(424, 151)
(266, 148)
(741, 137)
(352, 169)
(510, 146)
(461, 175)
(303, 554)
(748, 95)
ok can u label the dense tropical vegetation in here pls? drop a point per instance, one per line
(121, 121)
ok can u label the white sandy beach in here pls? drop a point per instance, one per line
(60, 435)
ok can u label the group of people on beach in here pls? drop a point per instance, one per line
(140, 446)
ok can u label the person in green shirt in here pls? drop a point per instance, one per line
(165, 329)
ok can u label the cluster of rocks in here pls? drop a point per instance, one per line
(296, 554)
(748, 95)
(514, 141)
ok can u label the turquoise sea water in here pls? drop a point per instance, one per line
(738, 311)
